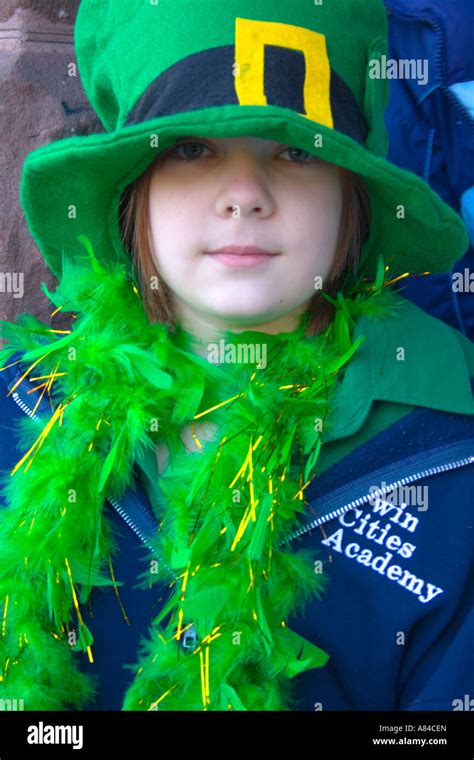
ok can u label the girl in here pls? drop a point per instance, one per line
(230, 488)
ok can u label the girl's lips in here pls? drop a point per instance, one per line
(244, 256)
(234, 260)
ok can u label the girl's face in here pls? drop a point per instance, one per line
(208, 194)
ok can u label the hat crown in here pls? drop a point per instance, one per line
(154, 47)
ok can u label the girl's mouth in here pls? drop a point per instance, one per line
(241, 256)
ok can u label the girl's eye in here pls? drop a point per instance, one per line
(189, 155)
(190, 151)
(303, 155)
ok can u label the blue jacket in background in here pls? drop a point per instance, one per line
(431, 130)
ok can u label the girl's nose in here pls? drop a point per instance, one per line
(245, 194)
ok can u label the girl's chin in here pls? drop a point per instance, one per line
(235, 303)
(245, 321)
(247, 314)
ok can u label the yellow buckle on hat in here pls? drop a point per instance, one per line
(250, 39)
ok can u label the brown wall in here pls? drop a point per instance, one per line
(39, 103)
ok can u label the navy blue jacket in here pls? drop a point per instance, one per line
(397, 617)
(431, 130)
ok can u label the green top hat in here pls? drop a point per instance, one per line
(299, 73)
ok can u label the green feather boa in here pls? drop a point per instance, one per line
(119, 386)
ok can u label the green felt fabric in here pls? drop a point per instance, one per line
(73, 186)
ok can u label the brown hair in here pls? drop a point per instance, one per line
(353, 231)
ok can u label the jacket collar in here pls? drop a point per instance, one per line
(410, 358)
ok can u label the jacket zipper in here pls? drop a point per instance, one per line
(379, 492)
(115, 504)
(119, 509)
(24, 408)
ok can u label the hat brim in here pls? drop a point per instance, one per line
(74, 186)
